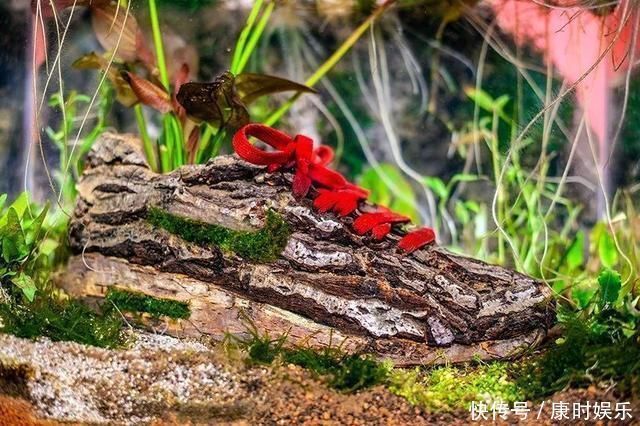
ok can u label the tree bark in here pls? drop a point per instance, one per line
(327, 285)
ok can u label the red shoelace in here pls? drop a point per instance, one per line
(334, 192)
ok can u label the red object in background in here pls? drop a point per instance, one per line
(593, 51)
(334, 192)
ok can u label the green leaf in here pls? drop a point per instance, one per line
(3, 199)
(462, 214)
(575, 253)
(25, 283)
(462, 177)
(48, 246)
(610, 284)
(473, 206)
(583, 292)
(379, 192)
(19, 205)
(437, 186)
(33, 229)
(14, 246)
(487, 102)
(607, 250)
(400, 198)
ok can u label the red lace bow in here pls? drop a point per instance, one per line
(334, 192)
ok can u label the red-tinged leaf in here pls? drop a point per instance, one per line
(110, 20)
(148, 93)
(40, 46)
(179, 79)
(192, 144)
(124, 93)
(145, 55)
(253, 86)
(346, 205)
(417, 239)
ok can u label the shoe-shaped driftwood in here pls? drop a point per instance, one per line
(232, 241)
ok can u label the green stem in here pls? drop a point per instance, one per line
(244, 35)
(332, 61)
(495, 156)
(157, 41)
(213, 148)
(253, 40)
(205, 139)
(146, 141)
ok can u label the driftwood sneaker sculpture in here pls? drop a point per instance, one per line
(276, 238)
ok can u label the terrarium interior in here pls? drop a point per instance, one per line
(350, 187)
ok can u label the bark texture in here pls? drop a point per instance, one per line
(327, 285)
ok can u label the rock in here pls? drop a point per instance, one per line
(321, 284)
(76, 383)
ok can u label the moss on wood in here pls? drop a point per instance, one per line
(264, 245)
(130, 301)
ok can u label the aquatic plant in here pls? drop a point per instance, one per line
(20, 236)
(600, 343)
(71, 157)
(593, 48)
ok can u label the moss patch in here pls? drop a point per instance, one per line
(584, 355)
(139, 302)
(345, 372)
(264, 245)
(61, 319)
(453, 388)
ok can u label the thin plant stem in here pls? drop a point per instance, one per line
(146, 141)
(217, 143)
(214, 146)
(253, 40)
(495, 157)
(244, 35)
(204, 142)
(158, 44)
(332, 61)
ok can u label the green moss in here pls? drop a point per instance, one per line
(453, 388)
(264, 245)
(345, 372)
(61, 319)
(584, 355)
(129, 301)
